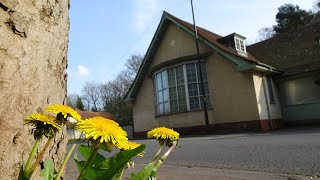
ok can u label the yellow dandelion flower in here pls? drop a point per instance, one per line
(129, 146)
(163, 133)
(43, 119)
(64, 110)
(105, 130)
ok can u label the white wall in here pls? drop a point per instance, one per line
(274, 108)
(73, 134)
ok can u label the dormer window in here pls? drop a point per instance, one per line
(236, 42)
(239, 44)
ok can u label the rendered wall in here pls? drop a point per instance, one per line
(175, 43)
(262, 95)
(232, 92)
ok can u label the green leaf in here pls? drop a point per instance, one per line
(22, 175)
(111, 166)
(86, 151)
(48, 171)
(106, 147)
(79, 164)
(91, 173)
(144, 173)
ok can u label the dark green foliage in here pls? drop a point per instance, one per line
(121, 110)
(79, 104)
(48, 172)
(144, 173)
(102, 168)
(291, 17)
(112, 166)
(40, 129)
(22, 175)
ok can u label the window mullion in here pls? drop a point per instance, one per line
(198, 83)
(156, 95)
(176, 87)
(186, 86)
(168, 89)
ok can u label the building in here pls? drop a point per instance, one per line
(167, 90)
(297, 55)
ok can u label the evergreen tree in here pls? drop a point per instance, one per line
(79, 104)
(290, 17)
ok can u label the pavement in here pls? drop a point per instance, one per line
(176, 172)
(284, 154)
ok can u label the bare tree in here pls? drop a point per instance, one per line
(132, 65)
(86, 102)
(316, 6)
(91, 95)
(112, 93)
(72, 100)
(265, 33)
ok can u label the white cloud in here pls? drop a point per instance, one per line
(82, 71)
(145, 11)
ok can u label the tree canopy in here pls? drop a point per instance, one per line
(109, 96)
(291, 17)
(79, 104)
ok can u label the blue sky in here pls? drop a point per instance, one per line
(103, 34)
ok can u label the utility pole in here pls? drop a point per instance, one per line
(199, 67)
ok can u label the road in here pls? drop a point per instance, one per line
(293, 151)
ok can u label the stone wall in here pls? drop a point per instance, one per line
(33, 62)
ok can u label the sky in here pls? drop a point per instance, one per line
(104, 34)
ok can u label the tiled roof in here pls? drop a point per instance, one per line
(213, 38)
(205, 36)
(88, 114)
(293, 52)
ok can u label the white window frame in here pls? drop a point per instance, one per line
(271, 92)
(185, 86)
(241, 43)
(162, 90)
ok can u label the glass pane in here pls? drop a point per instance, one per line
(181, 91)
(160, 97)
(166, 107)
(165, 95)
(182, 105)
(171, 77)
(193, 89)
(191, 73)
(164, 79)
(161, 109)
(204, 72)
(194, 103)
(174, 106)
(206, 88)
(159, 82)
(270, 89)
(173, 93)
(179, 75)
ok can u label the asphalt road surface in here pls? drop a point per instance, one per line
(293, 151)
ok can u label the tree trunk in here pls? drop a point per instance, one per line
(33, 62)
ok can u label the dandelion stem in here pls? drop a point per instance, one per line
(65, 162)
(121, 173)
(95, 149)
(163, 158)
(158, 152)
(34, 166)
(31, 156)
